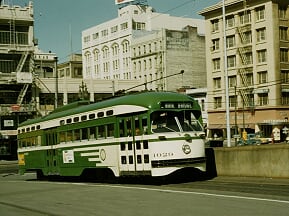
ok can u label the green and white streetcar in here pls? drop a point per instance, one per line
(141, 134)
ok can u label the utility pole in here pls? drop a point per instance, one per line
(226, 78)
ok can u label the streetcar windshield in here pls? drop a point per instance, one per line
(172, 121)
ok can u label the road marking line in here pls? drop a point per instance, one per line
(164, 190)
(192, 192)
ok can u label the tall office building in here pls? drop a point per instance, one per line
(257, 44)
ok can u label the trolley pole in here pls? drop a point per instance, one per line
(56, 84)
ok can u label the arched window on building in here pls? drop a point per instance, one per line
(87, 57)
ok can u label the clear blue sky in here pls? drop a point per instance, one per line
(55, 19)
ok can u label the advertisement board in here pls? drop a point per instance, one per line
(122, 1)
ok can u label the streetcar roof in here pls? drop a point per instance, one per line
(149, 100)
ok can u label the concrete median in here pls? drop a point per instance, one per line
(258, 161)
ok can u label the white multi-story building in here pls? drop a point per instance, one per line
(107, 48)
(257, 44)
(159, 57)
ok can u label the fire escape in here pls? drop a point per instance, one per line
(245, 70)
(22, 77)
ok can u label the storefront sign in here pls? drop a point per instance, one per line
(275, 121)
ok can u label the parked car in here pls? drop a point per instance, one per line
(254, 139)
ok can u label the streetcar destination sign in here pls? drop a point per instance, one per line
(176, 105)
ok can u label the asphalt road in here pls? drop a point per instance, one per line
(24, 195)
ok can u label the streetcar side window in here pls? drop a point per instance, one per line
(76, 135)
(138, 128)
(47, 139)
(69, 136)
(27, 142)
(110, 130)
(33, 141)
(62, 136)
(92, 132)
(128, 127)
(101, 132)
(121, 128)
(84, 133)
(145, 125)
(38, 142)
(23, 143)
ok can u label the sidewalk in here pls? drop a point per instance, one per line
(8, 166)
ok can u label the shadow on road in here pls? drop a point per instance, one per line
(106, 176)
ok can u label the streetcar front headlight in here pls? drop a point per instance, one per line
(203, 136)
(162, 138)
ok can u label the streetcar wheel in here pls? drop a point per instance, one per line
(39, 175)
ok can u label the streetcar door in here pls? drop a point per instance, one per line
(51, 154)
(141, 145)
(134, 152)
